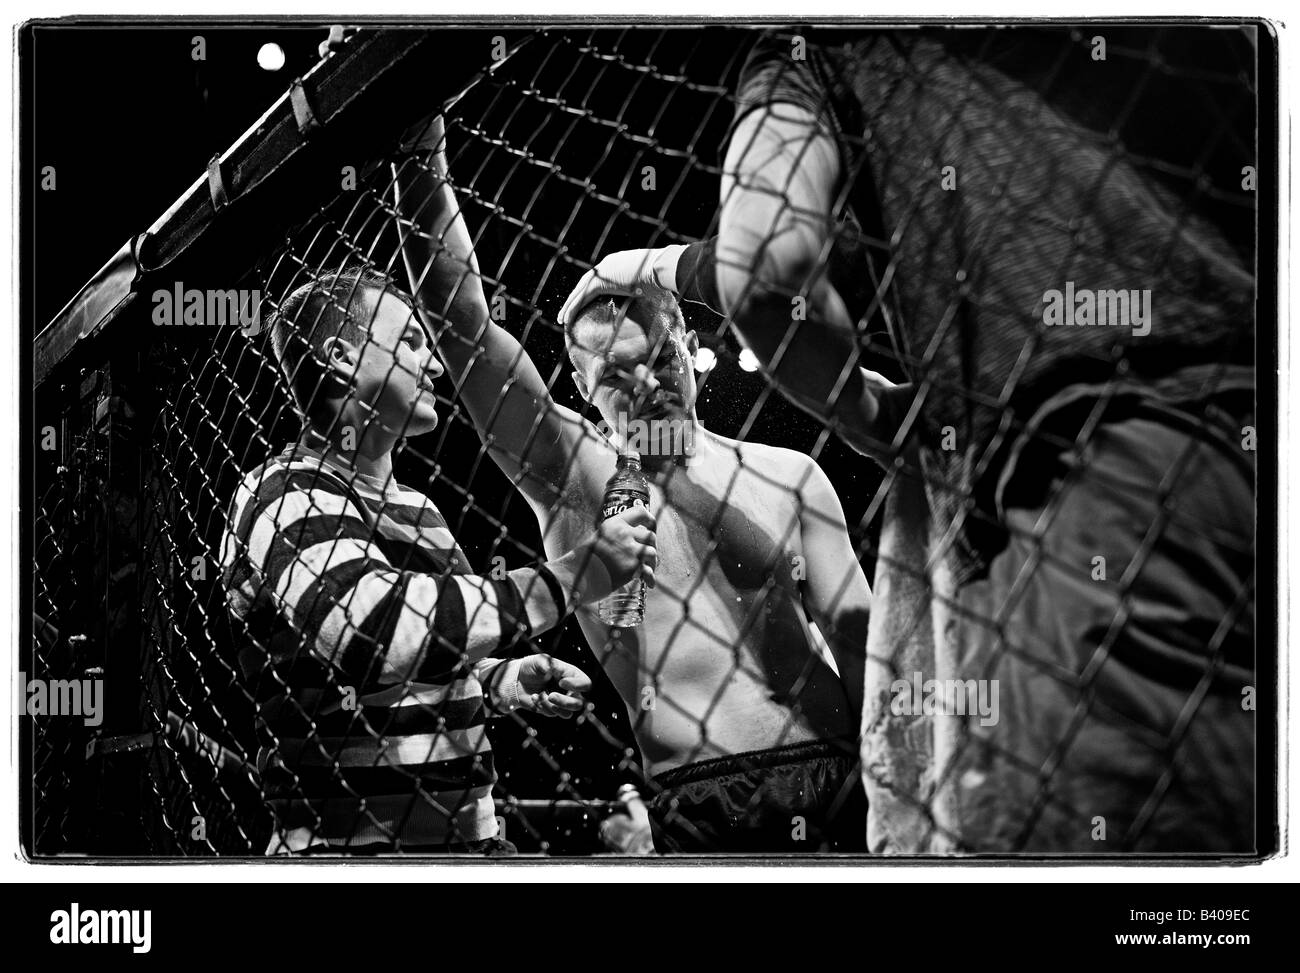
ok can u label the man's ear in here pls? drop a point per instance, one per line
(341, 358)
(581, 384)
(692, 343)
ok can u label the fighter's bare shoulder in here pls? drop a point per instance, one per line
(795, 470)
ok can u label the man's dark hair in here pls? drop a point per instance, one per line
(338, 304)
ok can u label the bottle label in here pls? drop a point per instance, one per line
(618, 500)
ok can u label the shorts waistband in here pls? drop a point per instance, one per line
(739, 763)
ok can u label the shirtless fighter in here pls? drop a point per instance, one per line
(747, 731)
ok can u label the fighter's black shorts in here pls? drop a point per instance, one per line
(802, 798)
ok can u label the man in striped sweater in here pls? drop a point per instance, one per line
(374, 655)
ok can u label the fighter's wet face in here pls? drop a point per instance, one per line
(633, 371)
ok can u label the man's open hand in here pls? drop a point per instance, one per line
(623, 274)
(543, 684)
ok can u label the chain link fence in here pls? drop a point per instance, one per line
(1061, 533)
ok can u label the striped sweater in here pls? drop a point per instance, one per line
(367, 649)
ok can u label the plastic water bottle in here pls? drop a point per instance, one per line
(626, 489)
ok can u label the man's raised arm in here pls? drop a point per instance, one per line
(818, 363)
(780, 180)
(507, 398)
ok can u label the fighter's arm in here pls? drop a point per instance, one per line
(866, 408)
(535, 441)
(836, 594)
(781, 180)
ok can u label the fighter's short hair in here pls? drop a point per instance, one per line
(337, 304)
(653, 306)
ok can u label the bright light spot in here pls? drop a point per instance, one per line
(270, 57)
(748, 361)
(705, 360)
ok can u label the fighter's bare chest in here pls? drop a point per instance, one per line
(740, 532)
